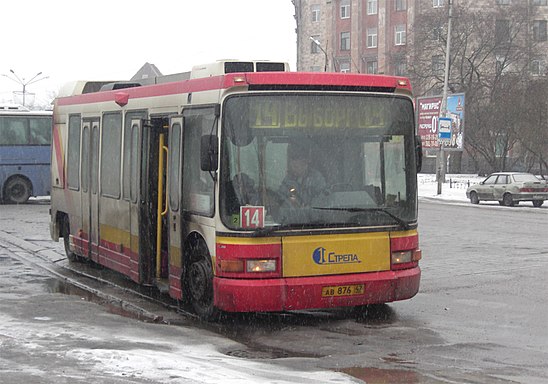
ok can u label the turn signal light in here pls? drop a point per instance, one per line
(232, 265)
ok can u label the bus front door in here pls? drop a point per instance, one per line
(174, 201)
(134, 197)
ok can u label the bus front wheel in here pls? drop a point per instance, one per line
(17, 190)
(200, 288)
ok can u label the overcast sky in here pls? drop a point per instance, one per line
(111, 39)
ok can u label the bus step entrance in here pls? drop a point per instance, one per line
(162, 285)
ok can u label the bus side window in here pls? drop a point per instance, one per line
(40, 131)
(198, 185)
(14, 132)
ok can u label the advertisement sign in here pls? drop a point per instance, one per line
(428, 121)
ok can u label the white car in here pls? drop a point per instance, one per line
(509, 188)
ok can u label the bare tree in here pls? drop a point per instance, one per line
(534, 138)
(489, 56)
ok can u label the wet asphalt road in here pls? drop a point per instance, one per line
(480, 316)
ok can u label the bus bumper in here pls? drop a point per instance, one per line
(275, 295)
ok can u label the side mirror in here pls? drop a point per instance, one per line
(209, 151)
(418, 152)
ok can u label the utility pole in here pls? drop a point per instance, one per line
(440, 166)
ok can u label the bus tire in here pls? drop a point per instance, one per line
(200, 284)
(17, 190)
(65, 233)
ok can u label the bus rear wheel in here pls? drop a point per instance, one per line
(200, 288)
(65, 232)
(17, 190)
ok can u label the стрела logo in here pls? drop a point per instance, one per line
(322, 257)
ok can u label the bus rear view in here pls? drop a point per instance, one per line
(25, 138)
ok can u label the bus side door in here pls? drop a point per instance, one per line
(89, 190)
(174, 201)
(133, 183)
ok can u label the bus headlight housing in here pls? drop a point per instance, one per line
(405, 259)
(402, 257)
(257, 266)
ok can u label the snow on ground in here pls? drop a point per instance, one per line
(454, 187)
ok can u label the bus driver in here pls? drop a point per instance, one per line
(302, 183)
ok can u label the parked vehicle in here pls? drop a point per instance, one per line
(509, 188)
(25, 153)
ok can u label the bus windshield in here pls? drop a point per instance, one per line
(312, 160)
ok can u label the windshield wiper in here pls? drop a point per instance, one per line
(400, 221)
(266, 230)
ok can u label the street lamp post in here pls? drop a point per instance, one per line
(24, 83)
(324, 52)
(440, 167)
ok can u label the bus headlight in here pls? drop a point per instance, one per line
(267, 265)
(402, 257)
(405, 259)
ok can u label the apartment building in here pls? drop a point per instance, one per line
(378, 36)
(490, 39)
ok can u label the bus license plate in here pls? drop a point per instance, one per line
(343, 290)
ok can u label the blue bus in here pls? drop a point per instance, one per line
(25, 151)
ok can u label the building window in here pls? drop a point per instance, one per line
(345, 9)
(316, 68)
(540, 2)
(438, 3)
(315, 10)
(371, 7)
(538, 67)
(345, 41)
(344, 66)
(501, 64)
(539, 30)
(400, 68)
(371, 37)
(435, 34)
(372, 67)
(313, 46)
(438, 65)
(401, 5)
(400, 34)
(502, 31)
(503, 2)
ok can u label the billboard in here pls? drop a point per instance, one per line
(428, 121)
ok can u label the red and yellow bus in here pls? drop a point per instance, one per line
(242, 186)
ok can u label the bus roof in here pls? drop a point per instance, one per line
(256, 75)
(16, 109)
